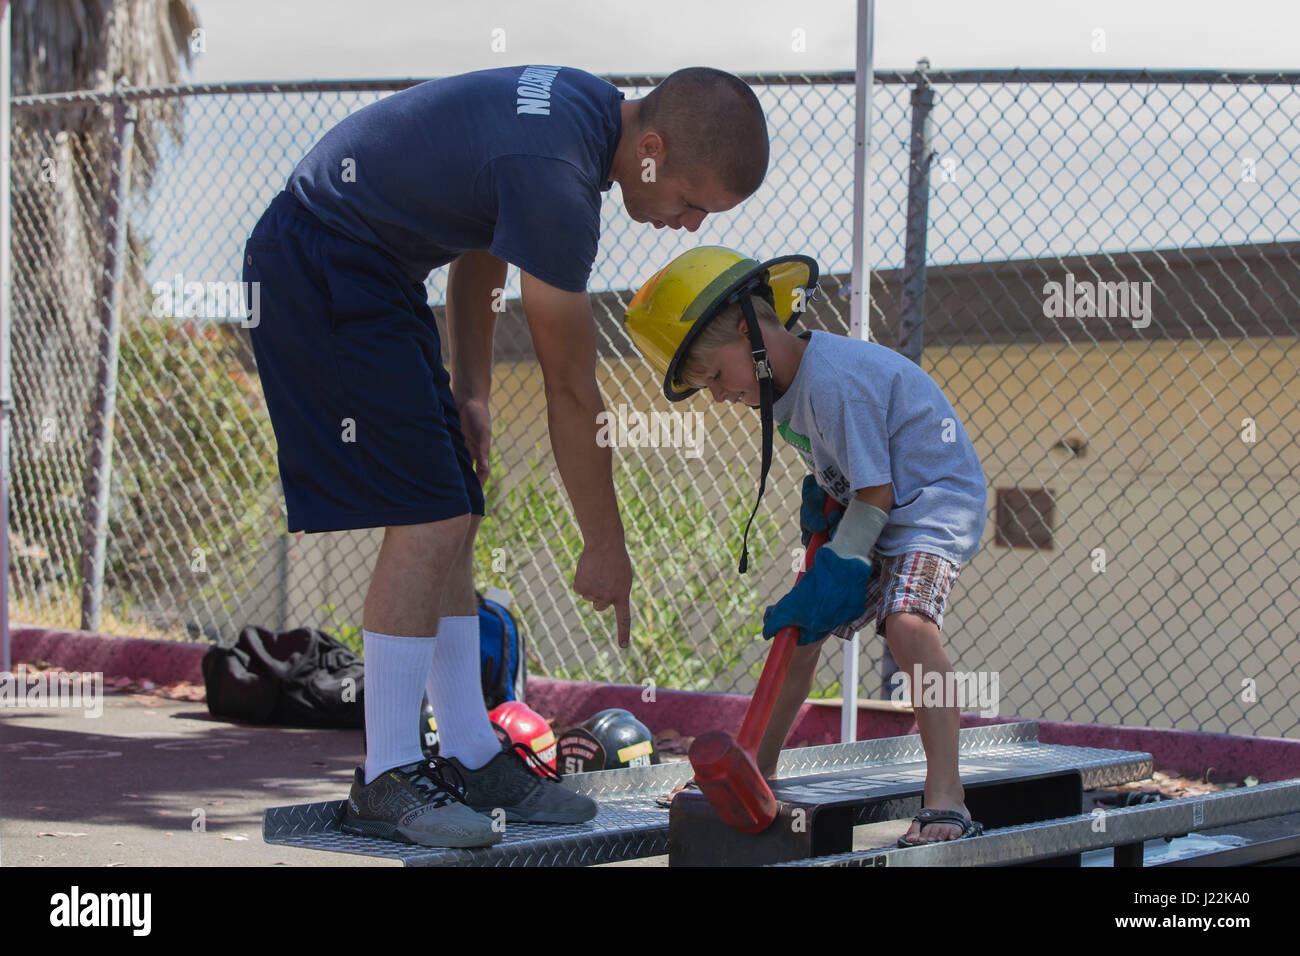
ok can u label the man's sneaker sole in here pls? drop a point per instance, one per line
(357, 826)
(516, 815)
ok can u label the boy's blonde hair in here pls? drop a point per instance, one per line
(721, 331)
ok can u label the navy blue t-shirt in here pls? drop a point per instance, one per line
(511, 160)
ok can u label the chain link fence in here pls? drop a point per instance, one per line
(1098, 269)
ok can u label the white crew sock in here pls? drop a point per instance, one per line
(455, 692)
(395, 669)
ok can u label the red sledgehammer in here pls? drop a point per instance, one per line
(725, 767)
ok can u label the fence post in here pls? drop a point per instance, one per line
(282, 609)
(911, 305)
(99, 469)
(864, 75)
(6, 326)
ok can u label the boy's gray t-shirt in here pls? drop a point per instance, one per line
(869, 416)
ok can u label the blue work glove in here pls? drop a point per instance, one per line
(831, 593)
(812, 513)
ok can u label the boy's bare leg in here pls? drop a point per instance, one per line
(914, 639)
(794, 691)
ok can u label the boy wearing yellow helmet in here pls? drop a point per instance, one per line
(878, 435)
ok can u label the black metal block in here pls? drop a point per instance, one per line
(1129, 854)
(816, 813)
(698, 837)
(1030, 799)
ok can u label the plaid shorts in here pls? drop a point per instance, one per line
(916, 582)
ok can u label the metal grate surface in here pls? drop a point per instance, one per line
(1017, 741)
(623, 829)
(629, 825)
(1078, 834)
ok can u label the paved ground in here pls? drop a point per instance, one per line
(130, 786)
(127, 787)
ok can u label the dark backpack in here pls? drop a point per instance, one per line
(299, 678)
(308, 678)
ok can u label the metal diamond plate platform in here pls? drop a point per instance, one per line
(629, 825)
(622, 830)
(1125, 827)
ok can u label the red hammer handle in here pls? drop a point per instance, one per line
(760, 707)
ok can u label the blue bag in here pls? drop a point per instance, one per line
(501, 649)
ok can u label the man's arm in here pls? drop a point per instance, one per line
(564, 338)
(473, 282)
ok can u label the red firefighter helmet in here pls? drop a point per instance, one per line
(517, 723)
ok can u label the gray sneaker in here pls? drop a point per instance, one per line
(509, 782)
(415, 803)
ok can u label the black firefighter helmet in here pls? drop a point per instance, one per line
(609, 740)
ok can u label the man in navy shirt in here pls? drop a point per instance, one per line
(497, 167)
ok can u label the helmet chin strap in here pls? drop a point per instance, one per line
(763, 369)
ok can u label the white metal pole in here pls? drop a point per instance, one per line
(860, 299)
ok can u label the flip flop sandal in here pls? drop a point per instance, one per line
(955, 817)
(666, 800)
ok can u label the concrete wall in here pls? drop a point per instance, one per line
(1199, 531)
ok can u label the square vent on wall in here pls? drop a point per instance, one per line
(1025, 518)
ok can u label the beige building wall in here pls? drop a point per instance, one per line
(1198, 529)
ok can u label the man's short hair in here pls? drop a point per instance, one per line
(711, 123)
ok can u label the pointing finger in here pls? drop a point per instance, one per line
(623, 614)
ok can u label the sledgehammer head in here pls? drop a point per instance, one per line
(729, 779)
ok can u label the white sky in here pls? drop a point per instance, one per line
(1046, 173)
(331, 39)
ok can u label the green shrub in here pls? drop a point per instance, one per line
(194, 466)
(691, 612)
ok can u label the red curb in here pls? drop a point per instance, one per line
(1187, 753)
(162, 662)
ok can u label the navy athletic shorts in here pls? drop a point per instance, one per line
(346, 345)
